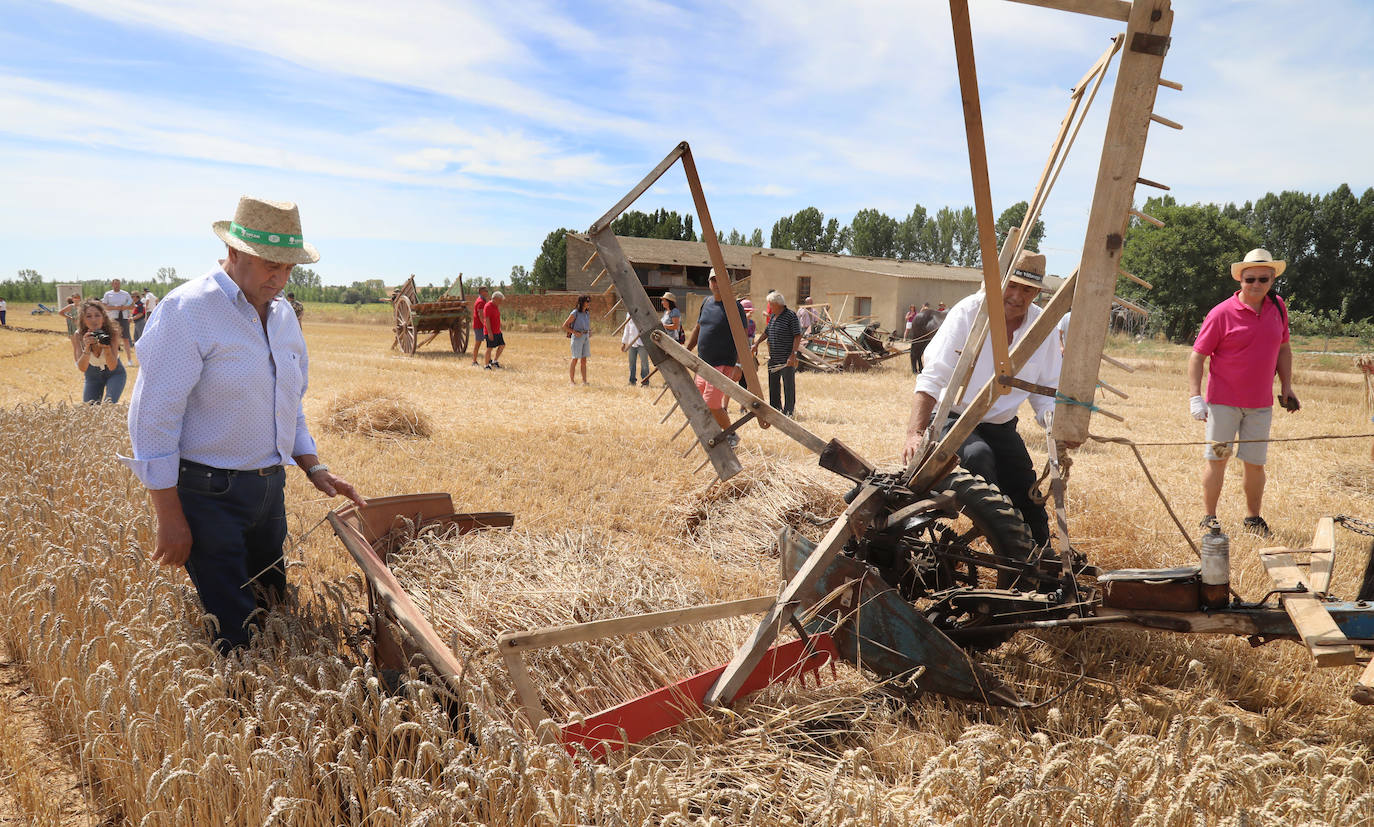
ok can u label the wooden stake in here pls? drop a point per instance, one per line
(598, 278)
(589, 262)
(659, 398)
(669, 413)
(620, 327)
(1171, 84)
(679, 431)
(1165, 121)
(1117, 363)
(703, 464)
(1137, 279)
(1147, 182)
(1104, 386)
(1129, 305)
(613, 308)
(1150, 218)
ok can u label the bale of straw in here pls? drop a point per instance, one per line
(376, 413)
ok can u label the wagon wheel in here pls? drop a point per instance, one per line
(458, 336)
(405, 326)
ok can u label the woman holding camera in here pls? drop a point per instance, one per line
(95, 346)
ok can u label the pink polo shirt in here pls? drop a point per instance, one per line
(1244, 350)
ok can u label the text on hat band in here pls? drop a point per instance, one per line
(263, 237)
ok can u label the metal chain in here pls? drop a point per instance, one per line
(1356, 525)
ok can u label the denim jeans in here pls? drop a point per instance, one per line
(642, 353)
(238, 524)
(101, 381)
(782, 388)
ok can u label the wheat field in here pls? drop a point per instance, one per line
(141, 723)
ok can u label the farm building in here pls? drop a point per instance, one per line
(680, 266)
(859, 286)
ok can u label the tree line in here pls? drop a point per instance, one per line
(1327, 240)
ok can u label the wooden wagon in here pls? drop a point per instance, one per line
(414, 317)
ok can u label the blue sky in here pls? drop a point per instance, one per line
(433, 137)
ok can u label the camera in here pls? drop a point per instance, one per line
(101, 337)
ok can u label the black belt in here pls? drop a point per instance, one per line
(189, 465)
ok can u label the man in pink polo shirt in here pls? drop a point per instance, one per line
(1246, 337)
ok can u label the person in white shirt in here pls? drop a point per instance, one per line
(120, 305)
(630, 343)
(994, 451)
(216, 416)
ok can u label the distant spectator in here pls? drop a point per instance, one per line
(941, 308)
(630, 343)
(910, 319)
(118, 303)
(479, 323)
(296, 307)
(578, 327)
(137, 315)
(491, 317)
(3, 309)
(751, 328)
(95, 347)
(784, 340)
(149, 302)
(806, 315)
(672, 317)
(71, 311)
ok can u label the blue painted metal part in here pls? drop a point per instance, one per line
(873, 626)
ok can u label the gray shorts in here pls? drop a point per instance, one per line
(1226, 423)
(581, 346)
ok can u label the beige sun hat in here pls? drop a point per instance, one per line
(1258, 257)
(270, 230)
(1029, 270)
(669, 296)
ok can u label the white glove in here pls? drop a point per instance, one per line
(1045, 417)
(1198, 407)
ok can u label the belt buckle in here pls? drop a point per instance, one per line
(268, 471)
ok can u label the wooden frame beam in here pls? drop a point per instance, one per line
(1110, 9)
(1318, 629)
(1323, 555)
(1128, 126)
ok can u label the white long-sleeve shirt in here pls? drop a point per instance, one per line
(943, 354)
(214, 387)
(630, 338)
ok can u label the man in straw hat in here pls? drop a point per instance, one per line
(1246, 339)
(216, 416)
(994, 451)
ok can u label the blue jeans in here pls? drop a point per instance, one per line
(101, 381)
(238, 524)
(642, 354)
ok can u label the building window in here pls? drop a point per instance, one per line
(863, 307)
(803, 290)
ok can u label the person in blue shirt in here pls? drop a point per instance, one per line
(216, 417)
(715, 345)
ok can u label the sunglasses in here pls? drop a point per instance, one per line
(1260, 279)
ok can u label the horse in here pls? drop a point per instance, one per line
(923, 329)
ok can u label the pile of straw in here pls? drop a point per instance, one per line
(738, 520)
(376, 413)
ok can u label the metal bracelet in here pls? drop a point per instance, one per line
(315, 469)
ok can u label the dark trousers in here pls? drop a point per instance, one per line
(238, 524)
(997, 454)
(782, 388)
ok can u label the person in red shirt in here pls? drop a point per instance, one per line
(1246, 339)
(479, 323)
(491, 313)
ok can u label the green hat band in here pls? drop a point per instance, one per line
(263, 237)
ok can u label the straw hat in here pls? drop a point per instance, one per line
(270, 230)
(669, 296)
(1258, 257)
(1029, 270)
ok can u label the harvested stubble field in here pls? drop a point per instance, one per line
(610, 519)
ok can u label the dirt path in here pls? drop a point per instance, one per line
(38, 785)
